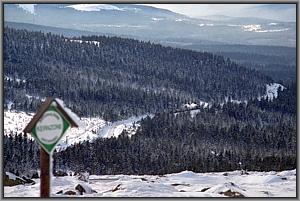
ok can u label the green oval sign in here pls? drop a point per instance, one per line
(50, 129)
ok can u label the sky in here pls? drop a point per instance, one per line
(28, 7)
(282, 12)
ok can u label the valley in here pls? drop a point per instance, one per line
(168, 104)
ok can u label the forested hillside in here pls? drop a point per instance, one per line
(260, 135)
(235, 136)
(278, 62)
(114, 77)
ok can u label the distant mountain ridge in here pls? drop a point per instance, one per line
(155, 23)
(279, 62)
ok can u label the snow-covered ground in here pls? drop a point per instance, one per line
(116, 128)
(77, 135)
(16, 121)
(183, 184)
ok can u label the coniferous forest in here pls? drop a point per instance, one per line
(260, 135)
(118, 77)
(114, 78)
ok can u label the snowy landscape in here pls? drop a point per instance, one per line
(15, 121)
(161, 100)
(183, 184)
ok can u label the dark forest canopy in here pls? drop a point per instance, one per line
(119, 77)
(123, 77)
(260, 136)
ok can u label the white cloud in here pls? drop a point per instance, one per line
(28, 7)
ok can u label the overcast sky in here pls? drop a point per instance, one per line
(284, 12)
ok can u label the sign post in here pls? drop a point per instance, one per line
(45, 174)
(47, 127)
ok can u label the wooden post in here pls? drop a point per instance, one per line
(45, 173)
(63, 119)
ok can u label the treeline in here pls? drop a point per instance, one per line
(20, 154)
(260, 135)
(119, 77)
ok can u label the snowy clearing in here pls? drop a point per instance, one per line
(116, 128)
(92, 128)
(16, 121)
(272, 90)
(183, 184)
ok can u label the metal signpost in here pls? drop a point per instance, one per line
(47, 127)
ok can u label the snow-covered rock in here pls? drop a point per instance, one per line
(228, 189)
(182, 184)
(11, 175)
(11, 179)
(84, 188)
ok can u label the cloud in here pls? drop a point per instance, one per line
(28, 7)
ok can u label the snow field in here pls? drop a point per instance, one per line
(90, 128)
(183, 184)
